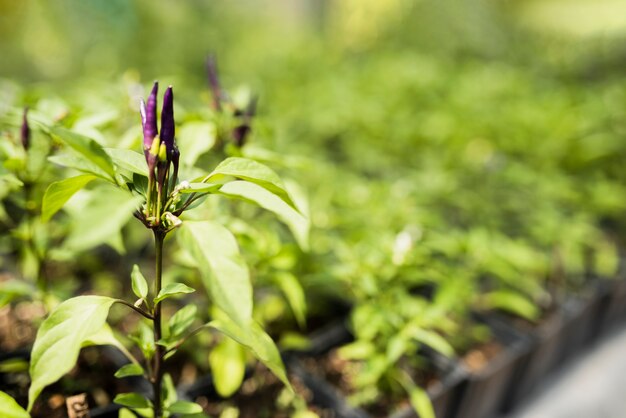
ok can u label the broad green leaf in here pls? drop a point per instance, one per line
(254, 338)
(131, 369)
(184, 407)
(433, 340)
(291, 288)
(132, 400)
(224, 272)
(512, 302)
(138, 283)
(58, 193)
(228, 366)
(87, 147)
(60, 338)
(357, 350)
(298, 224)
(172, 289)
(128, 160)
(252, 171)
(10, 408)
(181, 320)
(78, 163)
(100, 218)
(194, 139)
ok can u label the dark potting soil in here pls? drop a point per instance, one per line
(262, 395)
(341, 375)
(477, 359)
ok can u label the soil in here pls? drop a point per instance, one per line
(262, 395)
(478, 358)
(341, 374)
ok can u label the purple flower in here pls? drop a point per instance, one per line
(25, 130)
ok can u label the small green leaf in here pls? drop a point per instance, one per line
(138, 283)
(131, 369)
(126, 413)
(298, 224)
(228, 366)
(172, 289)
(184, 407)
(132, 400)
(252, 171)
(181, 320)
(58, 193)
(10, 408)
(87, 147)
(60, 338)
(224, 272)
(257, 340)
(201, 188)
(128, 160)
(512, 302)
(433, 340)
(13, 289)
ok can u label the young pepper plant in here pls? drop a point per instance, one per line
(152, 182)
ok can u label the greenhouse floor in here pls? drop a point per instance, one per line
(590, 386)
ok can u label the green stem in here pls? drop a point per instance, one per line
(157, 370)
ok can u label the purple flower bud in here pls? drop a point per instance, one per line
(167, 122)
(149, 118)
(214, 83)
(25, 130)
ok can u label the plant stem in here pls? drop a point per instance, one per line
(157, 370)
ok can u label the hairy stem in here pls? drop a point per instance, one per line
(157, 370)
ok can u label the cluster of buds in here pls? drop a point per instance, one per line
(222, 103)
(161, 154)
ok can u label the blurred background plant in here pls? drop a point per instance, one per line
(456, 156)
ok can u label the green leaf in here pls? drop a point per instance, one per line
(512, 302)
(291, 288)
(181, 320)
(10, 408)
(194, 139)
(172, 289)
(433, 340)
(126, 413)
(128, 160)
(13, 289)
(254, 338)
(421, 402)
(78, 163)
(100, 218)
(184, 407)
(228, 366)
(201, 188)
(86, 147)
(60, 337)
(224, 272)
(132, 400)
(298, 224)
(138, 283)
(131, 369)
(252, 171)
(58, 193)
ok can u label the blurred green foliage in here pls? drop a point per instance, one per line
(457, 155)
